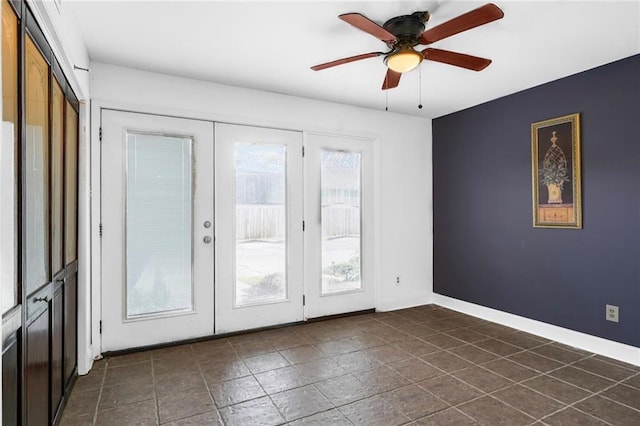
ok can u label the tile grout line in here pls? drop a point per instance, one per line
(206, 385)
(104, 377)
(330, 356)
(312, 384)
(599, 393)
(565, 405)
(291, 364)
(473, 364)
(264, 390)
(445, 373)
(483, 393)
(600, 375)
(592, 394)
(490, 394)
(155, 393)
(551, 342)
(523, 350)
(571, 405)
(364, 384)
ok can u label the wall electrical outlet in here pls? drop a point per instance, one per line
(398, 280)
(613, 313)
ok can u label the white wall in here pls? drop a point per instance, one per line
(402, 171)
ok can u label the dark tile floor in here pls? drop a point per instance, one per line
(420, 366)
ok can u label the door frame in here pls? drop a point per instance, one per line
(89, 303)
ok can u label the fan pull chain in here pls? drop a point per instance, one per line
(386, 100)
(420, 87)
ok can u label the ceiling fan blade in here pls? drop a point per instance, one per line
(345, 60)
(480, 16)
(458, 59)
(368, 26)
(391, 79)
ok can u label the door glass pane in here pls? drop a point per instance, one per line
(158, 224)
(8, 151)
(36, 169)
(341, 177)
(71, 185)
(261, 220)
(57, 133)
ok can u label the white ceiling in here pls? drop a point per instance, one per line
(270, 46)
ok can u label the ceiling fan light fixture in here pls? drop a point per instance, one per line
(404, 60)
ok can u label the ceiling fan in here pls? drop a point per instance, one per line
(403, 33)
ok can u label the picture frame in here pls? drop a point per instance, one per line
(556, 172)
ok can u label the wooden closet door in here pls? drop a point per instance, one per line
(57, 228)
(70, 243)
(10, 306)
(35, 232)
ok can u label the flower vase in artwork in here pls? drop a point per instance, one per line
(555, 193)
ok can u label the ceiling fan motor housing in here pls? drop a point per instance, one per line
(407, 28)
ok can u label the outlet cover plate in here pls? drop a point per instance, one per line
(613, 313)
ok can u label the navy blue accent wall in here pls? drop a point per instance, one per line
(486, 250)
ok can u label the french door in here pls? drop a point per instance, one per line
(339, 219)
(259, 237)
(291, 228)
(157, 223)
(292, 238)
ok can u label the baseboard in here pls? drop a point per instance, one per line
(85, 361)
(403, 303)
(587, 342)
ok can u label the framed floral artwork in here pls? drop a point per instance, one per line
(556, 178)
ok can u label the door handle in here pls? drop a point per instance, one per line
(44, 299)
(207, 240)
